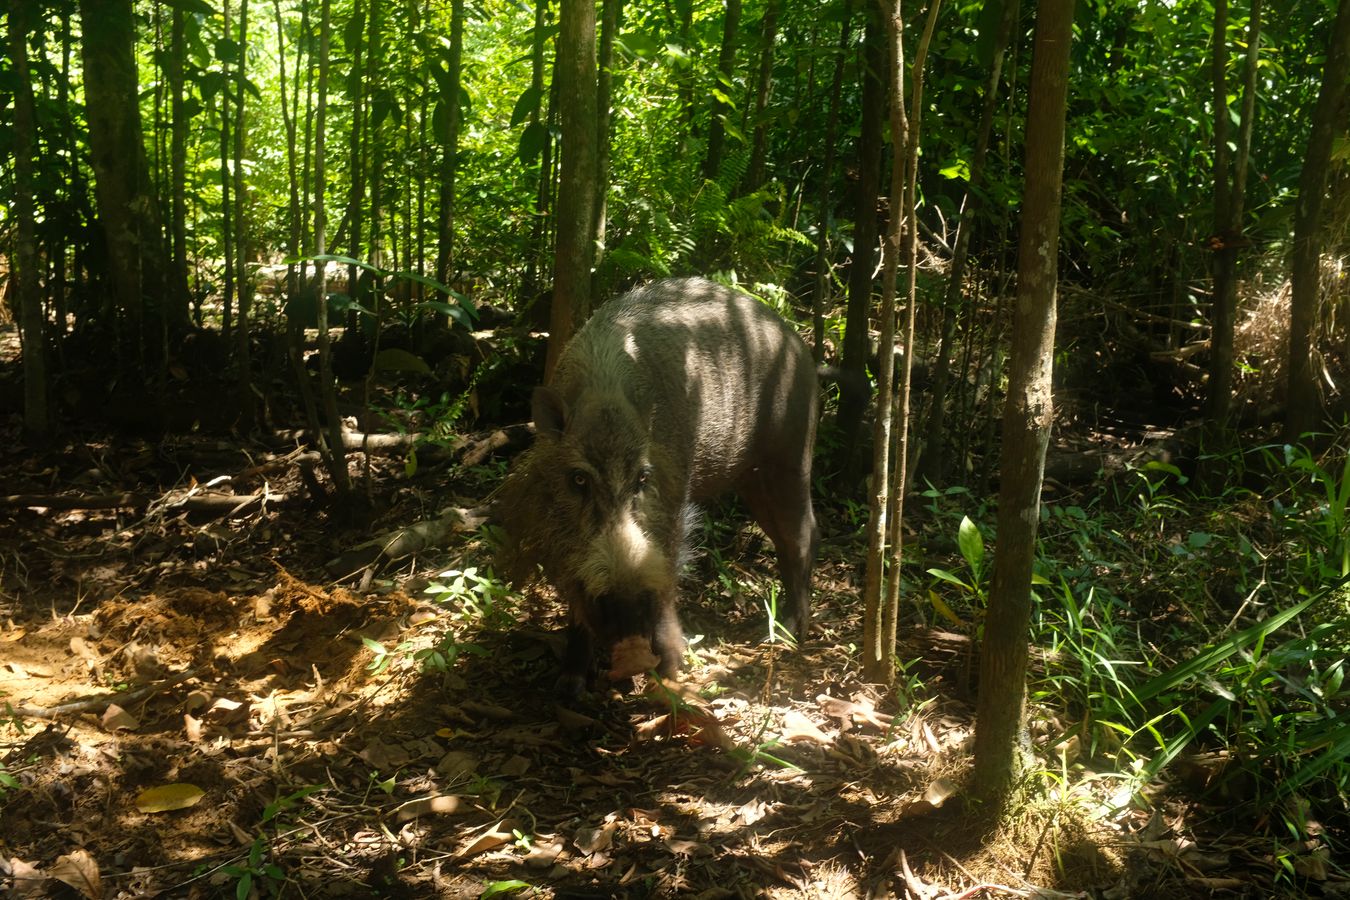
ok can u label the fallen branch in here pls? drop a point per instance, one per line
(215, 503)
(404, 542)
(90, 704)
(512, 438)
(62, 502)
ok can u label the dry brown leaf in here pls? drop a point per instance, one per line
(1313, 865)
(607, 779)
(433, 805)
(543, 855)
(859, 711)
(26, 880)
(487, 710)
(80, 871)
(457, 764)
(931, 739)
(383, 756)
(703, 728)
(939, 791)
(573, 720)
(681, 847)
(225, 711)
(797, 727)
(590, 839)
(192, 726)
(515, 766)
(12, 634)
(494, 837)
(168, 797)
(115, 717)
(750, 813)
(652, 728)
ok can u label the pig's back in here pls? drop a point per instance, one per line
(726, 383)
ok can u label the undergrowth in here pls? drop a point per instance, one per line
(1193, 643)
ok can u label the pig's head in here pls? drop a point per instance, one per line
(588, 506)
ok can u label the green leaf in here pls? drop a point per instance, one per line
(1199, 539)
(441, 75)
(1206, 660)
(971, 542)
(1174, 747)
(504, 887)
(227, 50)
(526, 106)
(958, 169)
(948, 576)
(639, 43)
(532, 141)
(944, 610)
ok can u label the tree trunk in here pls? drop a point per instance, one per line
(822, 263)
(177, 301)
(933, 459)
(721, 106)
(1228, 212)
(878, 654)
(244, 284)
(330, 444)
(899, 479)
(1027, 415)
(292, 151)
(1304, 406)
(32, 321)
(611, 13)
(445, 248)
(542, 187)
(226, 206)
(375, 147)
(852, 404)
(356, 193)
(754, 175)
(576, 189)
(126, 205)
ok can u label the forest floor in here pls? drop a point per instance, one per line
(195, 705)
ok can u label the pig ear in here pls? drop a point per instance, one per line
(549, 411)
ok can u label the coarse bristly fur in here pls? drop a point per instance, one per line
(668, 396)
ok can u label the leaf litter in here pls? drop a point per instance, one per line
(202, 704)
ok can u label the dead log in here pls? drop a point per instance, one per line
(404, 542)
(512, 438)
(209, 502)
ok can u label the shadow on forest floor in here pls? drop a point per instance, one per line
(214, 658)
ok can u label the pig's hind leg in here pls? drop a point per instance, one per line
(780, 501)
